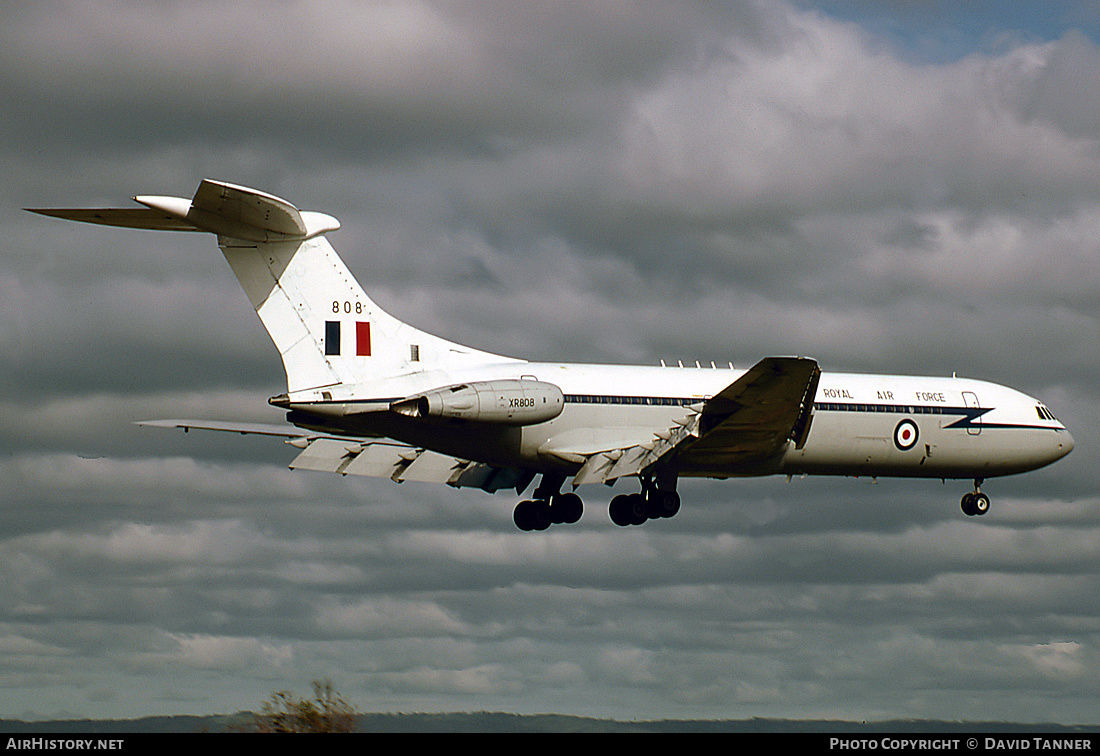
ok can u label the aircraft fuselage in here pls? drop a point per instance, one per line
(862, 425)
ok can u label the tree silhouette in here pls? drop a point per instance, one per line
(327, 711)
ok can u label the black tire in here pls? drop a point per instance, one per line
(619, 510)
(968, 504)
(663, 504)
(522, 516)
(568, 506)
(532, 515)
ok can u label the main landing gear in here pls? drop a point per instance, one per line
(975, 502)
(539, 514)
(651, 504)
(548, 506)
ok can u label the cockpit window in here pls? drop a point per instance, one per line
(1045, 414)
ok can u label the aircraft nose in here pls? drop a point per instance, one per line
(1059, 445)
(1065, 442)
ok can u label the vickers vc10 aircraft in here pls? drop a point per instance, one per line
(370, 395)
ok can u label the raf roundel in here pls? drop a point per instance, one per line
(906, 434)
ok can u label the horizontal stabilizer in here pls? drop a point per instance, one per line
(217, 207)
(137, 217)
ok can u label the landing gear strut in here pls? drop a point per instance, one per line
(976, 502)
(548, 507)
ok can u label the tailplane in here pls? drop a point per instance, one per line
(327, 330)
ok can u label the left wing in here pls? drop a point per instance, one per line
(750, 421)
(754, 418)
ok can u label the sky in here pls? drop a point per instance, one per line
(907, 187)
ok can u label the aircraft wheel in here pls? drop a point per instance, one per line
(968, 504)
(662, 504)
(618, 511)
(522, 515)
(975, 503)
(628, 509)
(568, 508)
(532, 515)
(981, 504)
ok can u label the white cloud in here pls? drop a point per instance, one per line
(1059, 661)
(224, 654)
(370, 617)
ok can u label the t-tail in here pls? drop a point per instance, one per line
(330, 334)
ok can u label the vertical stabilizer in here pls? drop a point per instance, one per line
(327, 330)
(285, 282)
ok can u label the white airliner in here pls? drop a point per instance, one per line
(370, 395)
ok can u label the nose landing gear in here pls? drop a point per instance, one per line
(976, 502)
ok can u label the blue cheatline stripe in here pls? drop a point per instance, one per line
(901, 409)
(654, 401)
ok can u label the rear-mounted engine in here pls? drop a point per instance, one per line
(506, 402)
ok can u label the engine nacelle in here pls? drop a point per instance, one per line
(506, 402)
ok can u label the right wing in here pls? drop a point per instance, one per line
(374, 457)
(401, 462)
